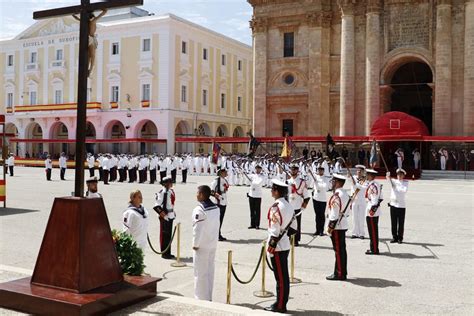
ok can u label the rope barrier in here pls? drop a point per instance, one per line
(263, 292)
(167, 247)
(254, 272)
(269, 264)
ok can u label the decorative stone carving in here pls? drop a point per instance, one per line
(259, 24)
(347, 6)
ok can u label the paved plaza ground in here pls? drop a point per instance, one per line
(431, 273)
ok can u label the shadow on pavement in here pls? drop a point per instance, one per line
(415, 243)
(244, 241)
(407, 256)
(14, 211)
(372, 282)
(313, 312)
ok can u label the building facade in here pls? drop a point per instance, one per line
(336, 66)
(155, 77)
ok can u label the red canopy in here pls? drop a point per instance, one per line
(398, 124)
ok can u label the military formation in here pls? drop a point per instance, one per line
(293, 184)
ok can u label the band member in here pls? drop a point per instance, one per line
(338, 226)
(358, 203)
(280, 221)
(299, 197)
(48, 164)
(255, 197)
(205, 233)
(400, 157)
(321, 186)
(153, 164)
(416, 158)
(62, 165)
(135, 219)
(164, 206)
(185, 166)
(443, 157)
(11, 164)
(373, 196)
(92, 188)
(397, 204)
(219, 188)
(91, 164)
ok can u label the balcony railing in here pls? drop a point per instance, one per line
(53, 107)
(58, 64)
(32, 67)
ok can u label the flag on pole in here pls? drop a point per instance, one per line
(286, 151)
(252, 146)
(373, 154)
(216, 150)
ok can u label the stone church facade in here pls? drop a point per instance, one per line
(337, 65)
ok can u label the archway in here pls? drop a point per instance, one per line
(115, 130)
(34, 131)
(203, 130)
(90, 134)
(183, 129)
(147, 129)
(221, 131)
(58, 131)
(412, 93)
(238, 132)
(11, 128)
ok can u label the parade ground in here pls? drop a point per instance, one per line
(430, 273)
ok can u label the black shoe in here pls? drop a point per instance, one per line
(362, 237)
(274, 309)
(251, 227)
(370, 252)
(353, 237)
(257, 228)
(333, 277)
(168, 257)
(400, 241)
(393, 241)
(222, 238)
(316, 234)
(297, 243)
(322, 234)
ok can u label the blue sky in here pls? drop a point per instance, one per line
(229, 17)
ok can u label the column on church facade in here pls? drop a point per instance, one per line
(259, 28)
(372, 64)
(443, 92)
(468, 113)
(347, 103)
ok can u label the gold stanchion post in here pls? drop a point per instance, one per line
(263, 292)
(293, 280)
(229, 275)
(178, 263)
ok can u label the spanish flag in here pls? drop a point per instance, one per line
(286, 151)
(216, 150)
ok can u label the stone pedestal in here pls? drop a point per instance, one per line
(444, 55)
(468, 113)
(372, 66)
(347, 104)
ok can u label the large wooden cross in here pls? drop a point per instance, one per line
(84, 10)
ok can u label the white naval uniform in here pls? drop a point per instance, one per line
(373, 194)
(205, 236)
(398, 192)
(62, 162)
(136, 225)
(48, 163)
(336, 205)
(358, 207)
(91, 195)
(400, 158)
(443, 158)
(298, 192)
(91, 162)
(224, 187)
(279, 217)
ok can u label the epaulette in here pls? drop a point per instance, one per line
(275, 204)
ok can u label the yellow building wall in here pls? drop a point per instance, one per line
(129, 55)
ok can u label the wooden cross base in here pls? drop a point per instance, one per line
(21, 295)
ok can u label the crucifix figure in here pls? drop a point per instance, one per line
(87, 28)
(93, 43)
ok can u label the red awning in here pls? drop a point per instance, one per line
(89, 141)
(399, 124)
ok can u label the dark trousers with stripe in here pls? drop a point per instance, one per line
(91, 172)
(166, 229)
(48, 174)
(338, 238)
(184, 173)
(255, 205)
(11, 170)
(397, 216)
(130, 175)
(162, 175)
(101, 174)
(121, 173)
(113, 174)
(373, 227)
(105, 176)
(298, 223)
(319, 209)
(222, 209)
(282, 278)
(62, 173)
(173, 175)
(141, 175)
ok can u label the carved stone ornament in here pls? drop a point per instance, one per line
(258, 24)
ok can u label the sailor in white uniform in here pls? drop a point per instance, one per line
(205, 234)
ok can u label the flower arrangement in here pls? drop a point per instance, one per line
(129, 254)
